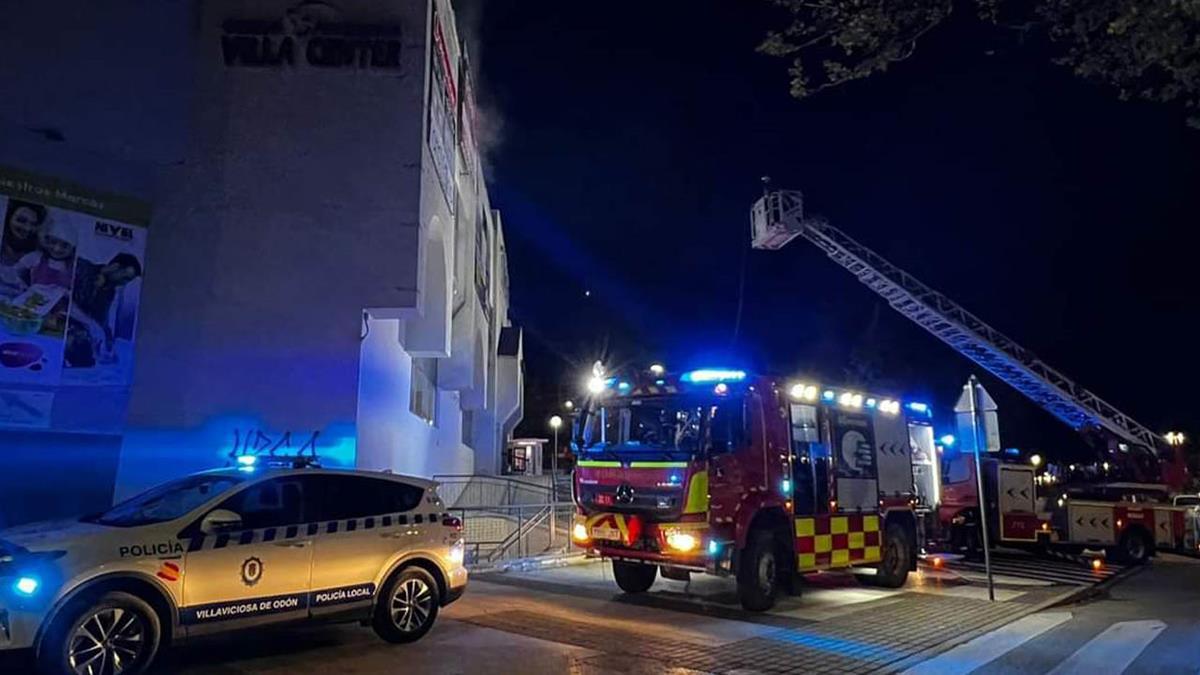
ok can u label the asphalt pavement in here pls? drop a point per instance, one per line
(1147, 623)
(572, 619)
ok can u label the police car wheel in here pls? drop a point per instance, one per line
(758, 574)
(114, 634)
(407, 607)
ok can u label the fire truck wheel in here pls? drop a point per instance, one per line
(634, 577)
(1133, 549)
(892, 571)
(758, 575)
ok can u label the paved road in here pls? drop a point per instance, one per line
(1148, 623)
(573, 620)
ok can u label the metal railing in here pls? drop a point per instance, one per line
(504, 532)
(487, 491)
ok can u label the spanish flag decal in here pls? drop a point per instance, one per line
(168, 571)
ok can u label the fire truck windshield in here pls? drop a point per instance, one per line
(662, 424)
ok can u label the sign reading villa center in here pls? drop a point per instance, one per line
(311, 34)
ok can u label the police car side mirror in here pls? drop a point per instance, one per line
(220, 520)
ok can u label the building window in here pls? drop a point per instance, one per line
(423, 402)
(468, 428)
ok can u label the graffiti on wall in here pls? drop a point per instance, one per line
(251, 441)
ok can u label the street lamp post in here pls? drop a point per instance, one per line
(555, 423)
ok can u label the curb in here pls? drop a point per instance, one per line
(1090, 592)
(531, 563)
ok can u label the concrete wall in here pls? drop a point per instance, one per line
(301, 211)
(390, 436)
(301, 250)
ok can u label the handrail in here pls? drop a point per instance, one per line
(519, 537)
(467, 478)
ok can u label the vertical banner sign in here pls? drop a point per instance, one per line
(443, 111)
(71, 263)
(467, 116)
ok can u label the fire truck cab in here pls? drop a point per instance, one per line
(760, 478)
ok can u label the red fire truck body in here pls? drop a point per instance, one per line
(718, 471)
(1129, 521)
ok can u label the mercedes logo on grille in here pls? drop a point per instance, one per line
(624, 494)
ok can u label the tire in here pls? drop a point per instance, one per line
(1133, 548)
(111, 630)
(634, 577)
(759, 572)
(408, 606)
(892, 571)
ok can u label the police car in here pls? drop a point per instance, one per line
(225, 550)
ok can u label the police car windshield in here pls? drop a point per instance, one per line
(167, 501)
(671, 424)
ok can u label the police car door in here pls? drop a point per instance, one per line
(255, 571)
(367, 524)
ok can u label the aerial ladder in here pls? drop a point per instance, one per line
(778, 217)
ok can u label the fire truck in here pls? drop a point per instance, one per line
(1125, 511)
(1129, 521)
(760, 478)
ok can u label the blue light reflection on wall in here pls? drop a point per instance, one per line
(151, 456)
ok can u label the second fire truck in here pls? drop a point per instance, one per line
(760, 478)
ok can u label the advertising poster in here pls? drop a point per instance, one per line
(71, 264)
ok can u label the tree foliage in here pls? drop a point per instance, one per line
(1148, 49)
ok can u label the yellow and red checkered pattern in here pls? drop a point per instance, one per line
(829, 541)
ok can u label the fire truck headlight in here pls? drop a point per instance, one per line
(580, 532)
(682, 541)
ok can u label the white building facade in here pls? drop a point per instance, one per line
(320, 268)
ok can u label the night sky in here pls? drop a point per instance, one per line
(631, 139)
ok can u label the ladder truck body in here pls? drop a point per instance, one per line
(1117, 517)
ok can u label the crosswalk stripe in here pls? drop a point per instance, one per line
(986, 648)
(1057, 570)
(1081, 576)
(1111, 652)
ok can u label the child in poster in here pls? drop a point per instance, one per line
(35, 285)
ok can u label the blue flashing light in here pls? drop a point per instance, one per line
(919, 408)
(624, 386)
(247, 460)
(828, 395)
(787, 486)
(26, 586)
(947, 440)
(660, 382)
(721, 389)
(675, 479)
(871, 403)
(713, 547)
(713, 375)
(1012, 452)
